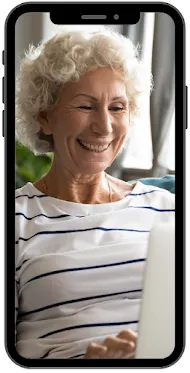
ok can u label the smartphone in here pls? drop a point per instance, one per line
(94, 128)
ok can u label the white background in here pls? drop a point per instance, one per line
(183, 363)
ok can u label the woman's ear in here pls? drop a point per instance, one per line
(43, 118)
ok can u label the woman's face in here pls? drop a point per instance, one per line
(89, 122)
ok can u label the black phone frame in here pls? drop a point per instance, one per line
(9, 133)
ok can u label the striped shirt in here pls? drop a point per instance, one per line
(80, 267)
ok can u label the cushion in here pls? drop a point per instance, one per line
(167, 182)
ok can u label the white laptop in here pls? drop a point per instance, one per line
(156, 335)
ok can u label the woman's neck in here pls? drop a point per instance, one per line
(88, 189)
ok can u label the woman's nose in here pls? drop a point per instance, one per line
(102, 122)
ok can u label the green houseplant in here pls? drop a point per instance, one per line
(30, 167)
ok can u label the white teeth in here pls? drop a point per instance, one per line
(93, 147)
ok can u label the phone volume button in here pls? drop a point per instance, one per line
(3, 91)
(186, 107)
(3, 123)
(3, 57)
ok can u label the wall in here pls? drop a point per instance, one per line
(28, 29)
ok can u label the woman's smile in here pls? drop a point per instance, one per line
(93, 147)
(93, 151)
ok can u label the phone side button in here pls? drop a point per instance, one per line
(3, 90)
(186, 111)
(3, 123)
(3, 57)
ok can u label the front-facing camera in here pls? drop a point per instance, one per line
(116, 16)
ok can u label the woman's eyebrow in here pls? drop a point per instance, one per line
(84, 94)
(94, 98)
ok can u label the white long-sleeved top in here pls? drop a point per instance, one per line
(80, 267)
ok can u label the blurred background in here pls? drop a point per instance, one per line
(150, 151)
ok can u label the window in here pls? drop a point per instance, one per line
(167, 155)
(139, 154)
(139, 150)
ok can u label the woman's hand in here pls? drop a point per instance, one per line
(120, 347)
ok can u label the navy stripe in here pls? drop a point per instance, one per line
(151, 208)
(66, 215)
(140, 194)
(17, 269)
(89, 326)
(85, 268)
(73, 357)
(36, 216)
(81, 230)
(78, 300)
(26, 195)
(43, 357)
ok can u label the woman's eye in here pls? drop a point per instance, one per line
(85, 107)
(116, 108)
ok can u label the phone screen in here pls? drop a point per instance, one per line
(95, 172)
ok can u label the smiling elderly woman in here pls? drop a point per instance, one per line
(81, 235)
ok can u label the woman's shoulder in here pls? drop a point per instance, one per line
(154, 195)
(27, 190)
(21, 190)
(26, 193)
(21, 194)
(145, 194)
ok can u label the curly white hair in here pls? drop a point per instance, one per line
(66, 57)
